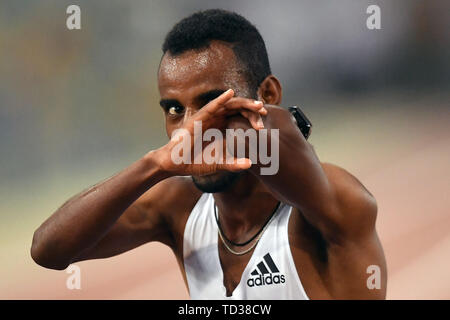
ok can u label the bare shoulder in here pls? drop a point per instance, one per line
(170, 202)
(357, 207)
(172, 193)
(341, 176)
(171, 196)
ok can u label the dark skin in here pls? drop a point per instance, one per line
(332, 227)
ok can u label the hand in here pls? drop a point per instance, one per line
(215, 115)
(279, 124)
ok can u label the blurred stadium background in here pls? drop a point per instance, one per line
(78, 106)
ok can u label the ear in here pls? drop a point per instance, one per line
(270, 91)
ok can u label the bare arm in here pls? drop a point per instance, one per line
(85, 219)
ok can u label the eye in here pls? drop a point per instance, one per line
(175, 110)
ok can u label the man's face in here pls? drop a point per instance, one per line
(189, 81)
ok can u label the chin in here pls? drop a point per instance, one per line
(216, 182)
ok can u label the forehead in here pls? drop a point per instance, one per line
(213, 67)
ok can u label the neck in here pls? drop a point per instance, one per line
(244, 208)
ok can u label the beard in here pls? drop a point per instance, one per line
(217, 182)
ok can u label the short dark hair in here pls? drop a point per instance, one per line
(199, 29)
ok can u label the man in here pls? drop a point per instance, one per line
(307, 231)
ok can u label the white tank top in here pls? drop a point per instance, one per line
(270, 273)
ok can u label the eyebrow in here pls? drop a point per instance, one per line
(201, 99)
(206, 97)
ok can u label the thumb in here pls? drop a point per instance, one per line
(237, 164)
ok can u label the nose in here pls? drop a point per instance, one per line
(189, 113)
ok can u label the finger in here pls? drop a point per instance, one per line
(237, 164)
(213, 106)
(254, 119)
(244, 103)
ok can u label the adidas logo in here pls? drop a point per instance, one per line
(262, 276)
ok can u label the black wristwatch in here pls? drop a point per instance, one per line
(302, 121)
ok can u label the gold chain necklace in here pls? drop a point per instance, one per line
(254, 244)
